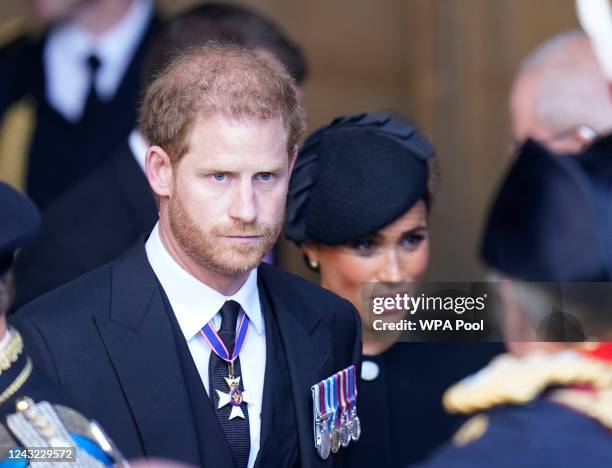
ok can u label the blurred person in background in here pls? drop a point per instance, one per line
(359, 207)
(560, 96)
(71, 93)
(32, 410)
(548, 402)
(109, 210)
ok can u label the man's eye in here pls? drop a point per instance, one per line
(265, 176)
(219, 176)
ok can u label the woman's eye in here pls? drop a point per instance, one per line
(412, 240)
(363, 246)
(219, 176)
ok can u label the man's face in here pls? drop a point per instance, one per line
(229, 192)
(526, 124)
(58, 10)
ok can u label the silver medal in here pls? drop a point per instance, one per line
(355, 427)
(335, 440)
(345, 434)
(324, 447)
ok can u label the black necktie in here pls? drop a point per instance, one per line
(236, 430)
(93, 103)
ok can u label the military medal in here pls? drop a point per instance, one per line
(235, 397)
(335, 412)
(331, 386)
(355, 424)
(345, 436)
(325, 444)
(321, 419)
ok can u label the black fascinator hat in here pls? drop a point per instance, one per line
(354, 177)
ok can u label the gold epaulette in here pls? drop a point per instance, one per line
(513, 380)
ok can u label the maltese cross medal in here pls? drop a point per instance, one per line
(235, 397)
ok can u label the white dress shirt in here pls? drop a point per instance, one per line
(195, 304)
(65, 59)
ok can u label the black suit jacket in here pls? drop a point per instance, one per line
(106, 340)
(90, 225)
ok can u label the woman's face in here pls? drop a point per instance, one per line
(397, 253)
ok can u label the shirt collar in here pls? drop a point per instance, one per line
(194, 303)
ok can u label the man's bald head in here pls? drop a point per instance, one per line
(560, 93)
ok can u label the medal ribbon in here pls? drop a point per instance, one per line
(320, 397)
(333, 386)
(352, 385)
(346, 389)
(216, 344)
(340, 388)
(328, 396)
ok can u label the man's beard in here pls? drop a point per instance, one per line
(210, 249)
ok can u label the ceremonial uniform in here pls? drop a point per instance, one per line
(35, 424)
(70, 113)
(539, 411)
(116, 328)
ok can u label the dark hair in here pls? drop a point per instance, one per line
(223, 23)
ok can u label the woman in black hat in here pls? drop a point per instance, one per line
(358, 206)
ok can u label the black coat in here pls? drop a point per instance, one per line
(87, 227)
(404, 402)
(106, 340)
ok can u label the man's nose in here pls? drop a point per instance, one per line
(243, 206)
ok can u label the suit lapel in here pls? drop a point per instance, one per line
(278, 436)
(306, 346)
(141, 346)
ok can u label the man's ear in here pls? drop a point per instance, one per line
(292, 158)
(159, 171)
